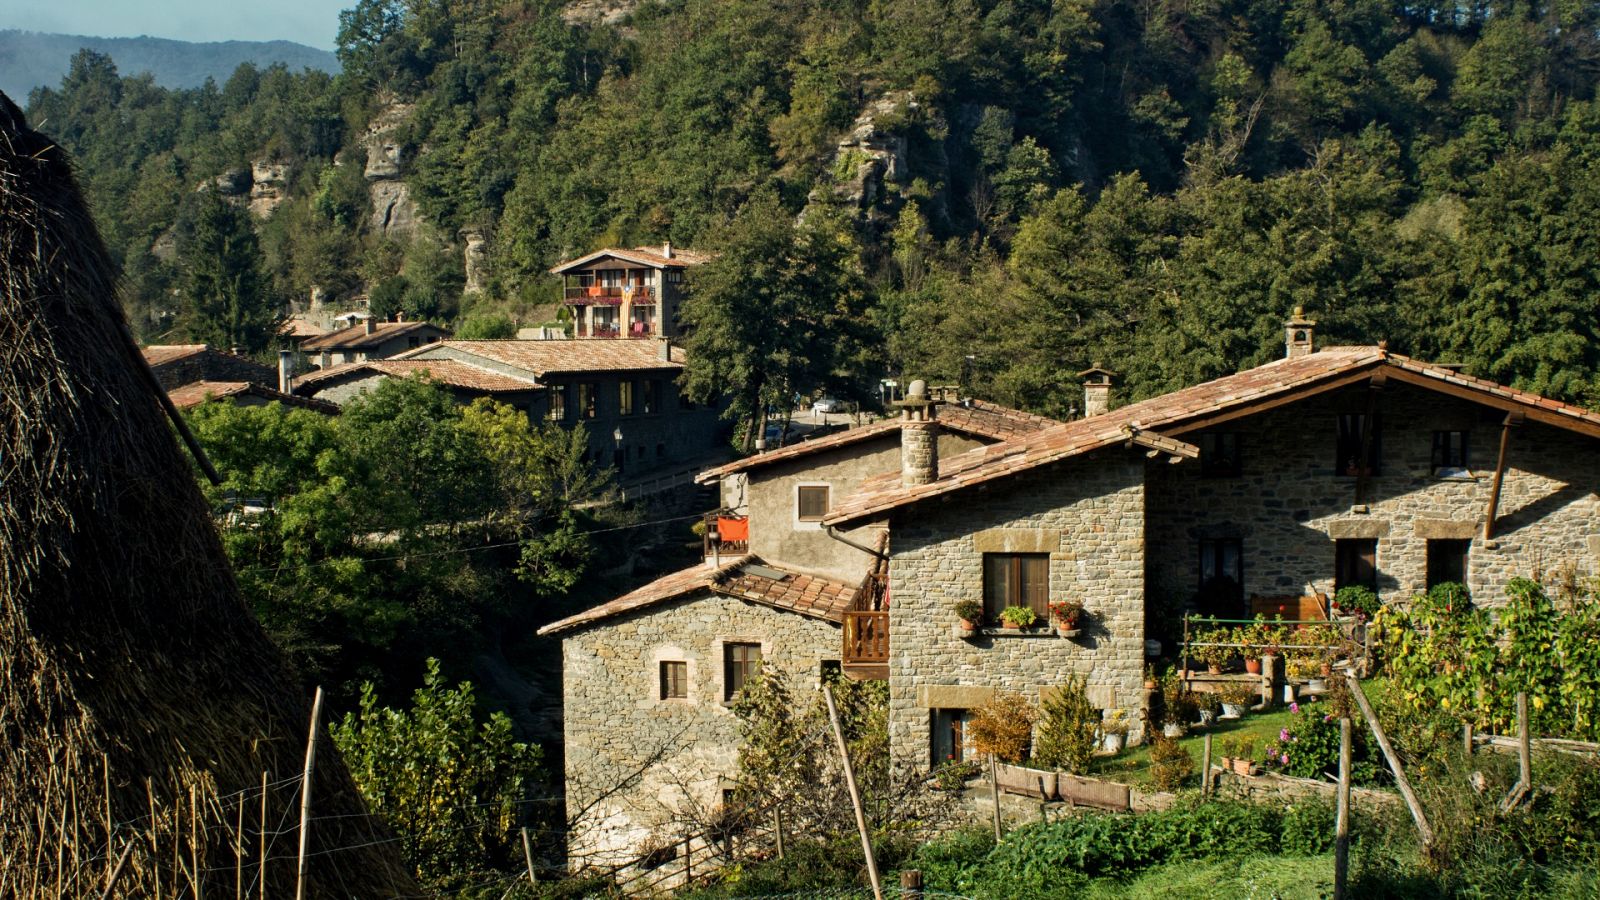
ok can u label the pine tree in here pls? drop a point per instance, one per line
(232, 302)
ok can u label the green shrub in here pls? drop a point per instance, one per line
(1067, 729)
(1357, 599)
(1170, 764)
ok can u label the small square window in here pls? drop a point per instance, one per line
(674, 680)
(813, 502)
(1447, 562)
(1450, 454)
(1356, 563)
(1219, 454)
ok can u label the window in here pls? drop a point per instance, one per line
(830, 670)
(674, 275)
(558, 402)
(739, 664)
(1447, 561)
(1221, 576)
(1352, 434)
(1016, 579)
(1219, 454)
(1450, 453)
(650, 396)
(624, 398)
(948, 736)
(1355, 563)
(812, 502)
(674, 680)
(586, 398)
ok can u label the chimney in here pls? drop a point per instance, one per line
(370, 325)
(666, 249)
(285, 370)
(1096, 390)
(919, 436)
(1297, 334)
(664, 349)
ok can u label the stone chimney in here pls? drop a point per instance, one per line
(664, 349)
(919, 436)
(1298, 333)
(369, 325)
(666, 249)
(1096, 390)
(285, 370)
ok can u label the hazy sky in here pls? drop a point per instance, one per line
(312, 22)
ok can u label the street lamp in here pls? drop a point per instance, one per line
(616, 453)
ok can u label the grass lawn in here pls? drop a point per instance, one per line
(1279, 877)
(1132, 766)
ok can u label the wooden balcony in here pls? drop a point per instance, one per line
(637, 330)
(866, 644)
(608, 295)
(726, 534)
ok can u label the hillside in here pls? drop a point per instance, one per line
(1022, 188)
(31, 59)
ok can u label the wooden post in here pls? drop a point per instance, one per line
(994, 791)
(911, 884)
(1499, 474)
(688, 865)
(238, 851)
(111, 883)
(777, 828)
(305, 796)
(1183, 662)
(855, 795)
(527, 856)
(1205, 768)
(1424, 830)
(195, 831)
(262, 874)
(1466, 737)
(1341, 834)
(1524, 786)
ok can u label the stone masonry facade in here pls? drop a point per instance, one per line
(1287, 507)
(685, 751)
(1088, 515)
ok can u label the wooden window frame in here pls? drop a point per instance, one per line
(1348, 438)
(558, 402)
(588, 400)
(1345, 572)
(1027, 580)
(1214, 463)
(800, 493)
(1451, 453)
(625, 398)
(738, 672)
(947, 728)
(650, 391)
(1434, 559)
(674, 679)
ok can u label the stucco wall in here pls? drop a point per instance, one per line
(615, 724)
(1089, 516)
(1288, 506)
(771, 497)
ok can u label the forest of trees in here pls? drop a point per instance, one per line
(1153, 185)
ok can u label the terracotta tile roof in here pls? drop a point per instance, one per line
(1238, 394)
(161, 354)
(449, 372)
(198, 392)
(744, 578)
(808, 595)
(977, 417)
(355, 337)
(646, 256)
(562, 356)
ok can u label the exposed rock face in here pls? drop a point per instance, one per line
(598, 12)
(394, 214)
(232, 183)
(475, 259)
(269, 187)
(165, 247)
(869, 155)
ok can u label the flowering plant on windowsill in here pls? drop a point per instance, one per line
(1066, 612)
(1018, 617)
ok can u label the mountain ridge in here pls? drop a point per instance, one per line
(30, 59)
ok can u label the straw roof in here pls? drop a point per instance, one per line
(126, 650)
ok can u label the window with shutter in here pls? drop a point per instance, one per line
(674, 680)
(739, 664)
(813, 502)
(1016, 579)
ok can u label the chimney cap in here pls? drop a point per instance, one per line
(1102, 375)
(1299, 317)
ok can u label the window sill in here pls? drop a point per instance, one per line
(993, 631)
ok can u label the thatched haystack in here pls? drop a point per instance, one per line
(139, 700)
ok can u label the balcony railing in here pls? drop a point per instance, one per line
(609, 295)
(866, 643)
(726, 534)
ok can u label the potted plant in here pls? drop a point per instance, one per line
(970, 614)
(1207, 705)
(1248, 637)
(1235, 697)
(1149, 677)
(1177, 706)
(1065, 615)
(1237, 755)
(1210, 647)
(1015, 617)
(1114, 731)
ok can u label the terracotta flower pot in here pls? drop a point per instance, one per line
(1013, 626)
(1252, 665)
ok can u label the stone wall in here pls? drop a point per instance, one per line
(1088, 515)
(1288, 506)
(214, 365)
(616, 724)
(771, 497)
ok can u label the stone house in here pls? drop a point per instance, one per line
(194, 373)
(623, 392)
(368, 340)
(648, 678)
(627, 293)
